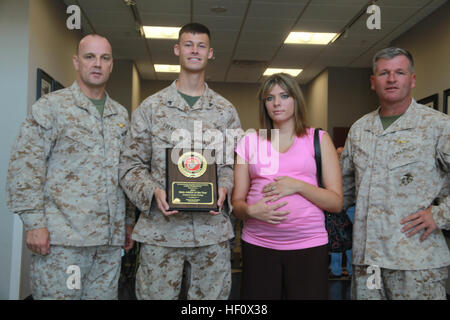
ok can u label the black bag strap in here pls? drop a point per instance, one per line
(318, 156)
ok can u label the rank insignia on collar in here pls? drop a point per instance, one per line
(401, 141)
(121, 125)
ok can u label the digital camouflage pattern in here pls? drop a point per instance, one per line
(96, 268)
(159, 118)
(63, 171)
(399, 284)
(160, 273)
(394, 173)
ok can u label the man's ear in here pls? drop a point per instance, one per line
(176, 49)
(211, 53)
(413, 80)
(372, 80)
(75, 62)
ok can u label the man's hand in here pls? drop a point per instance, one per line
(163, 206)
(38, 241)
(222, 195)
(129, 243)
(419, 221)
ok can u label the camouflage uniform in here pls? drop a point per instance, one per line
(394, 173)
(63, 171)
(427, 284)
(53, 276)
(159, 275)
(143, 167)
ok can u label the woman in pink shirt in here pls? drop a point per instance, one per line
(284, 240)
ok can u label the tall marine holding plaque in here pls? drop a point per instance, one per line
(191, 180)
(177, 168)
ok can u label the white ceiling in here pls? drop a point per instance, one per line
(254, 31)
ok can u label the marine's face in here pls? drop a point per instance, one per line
(393, 80)
(94, 61)
(194, 51)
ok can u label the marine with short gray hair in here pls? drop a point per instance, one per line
(395, 164)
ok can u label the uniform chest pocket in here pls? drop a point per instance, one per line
(78, 139)
(411, 156)
(360, 157)
(403, 162)
(409, 169)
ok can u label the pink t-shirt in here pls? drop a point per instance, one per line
(305, 224)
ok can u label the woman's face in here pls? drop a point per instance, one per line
(279, 105)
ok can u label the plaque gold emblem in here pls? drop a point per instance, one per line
(192, 164)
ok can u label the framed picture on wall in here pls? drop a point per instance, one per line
(446, 100)
(44, 83)
(431, 101)
(56, 85)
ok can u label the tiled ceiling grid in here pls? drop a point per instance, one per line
(249, 35)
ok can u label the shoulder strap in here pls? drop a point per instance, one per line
(318, 156)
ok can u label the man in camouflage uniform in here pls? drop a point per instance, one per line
(63, 182)
(396, 162)
(186, 109)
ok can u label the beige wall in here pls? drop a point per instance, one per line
(429, 43)
(338, 97)
(242, 95)
(52, 45)
(349, 96)
(316, 96)
(136, 89)
(120, 83)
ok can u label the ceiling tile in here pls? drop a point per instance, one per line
(166, 20)
(266, 10)
(254, 30)
(335, 12)
(181, 7)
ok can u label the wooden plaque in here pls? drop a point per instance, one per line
(191, 182)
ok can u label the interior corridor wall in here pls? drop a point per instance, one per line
(14, 31)
(36, 36)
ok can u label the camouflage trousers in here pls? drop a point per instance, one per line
(73, 273)
(161, 269)
(385, 284)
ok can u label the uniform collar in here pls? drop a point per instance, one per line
(82, 101)
(175, 100)
(407, 121)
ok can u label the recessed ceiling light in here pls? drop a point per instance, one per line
(292, 72)
(167, 68)
(218, 9)
(310, 37)
(161, 32)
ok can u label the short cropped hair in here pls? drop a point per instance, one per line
(288, 83)
(390, 53)
(194, 28)
(91, 35)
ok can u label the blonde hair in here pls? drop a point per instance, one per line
(289, 84)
